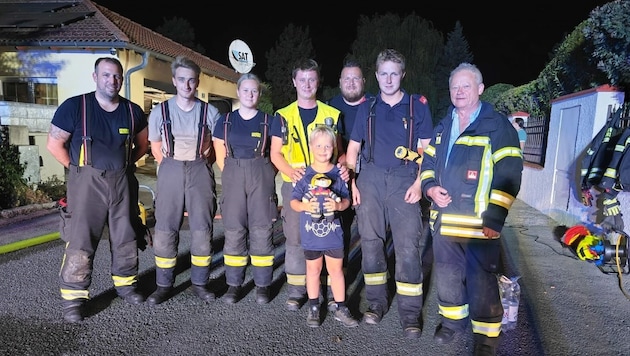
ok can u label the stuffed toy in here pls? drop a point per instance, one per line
(320, 189)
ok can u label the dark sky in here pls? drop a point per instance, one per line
(510, 41)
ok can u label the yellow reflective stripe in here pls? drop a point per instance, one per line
(506, 152)
(464, 220)
(296, 279)
(200, 261)
(72, 294)
(502, 199)
(375, 279)
(488, 329)
(165, 262)
(462, 232)
(430, 151)
(235, 261)
(124, 281)
(455, 313)
(610, 173)
(262, 261)
(409, 289)
(427, 174)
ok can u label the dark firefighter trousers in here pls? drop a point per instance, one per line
(183, 185)
(382, 205)
(465, 274)
(95, 198)
(249, 206)
(294, 261)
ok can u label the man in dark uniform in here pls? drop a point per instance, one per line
(98, 136)
(387, 192)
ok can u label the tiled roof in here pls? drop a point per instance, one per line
(95, 27)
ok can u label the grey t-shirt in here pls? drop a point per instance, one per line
(185, 129)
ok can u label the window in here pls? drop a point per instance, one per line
(537, 131)
(30, 90)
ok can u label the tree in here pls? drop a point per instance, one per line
(180, 31)
(456, 50)
(608, 40)
(412, 36)
(293, 44)
(11, 172)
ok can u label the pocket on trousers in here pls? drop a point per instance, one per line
(64, 224)
(273, 207)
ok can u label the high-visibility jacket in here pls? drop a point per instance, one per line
(296, 150)
(483, 174)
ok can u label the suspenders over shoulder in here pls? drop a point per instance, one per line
(261, 148)
(408, 124)
(168, 129)
(86, 147)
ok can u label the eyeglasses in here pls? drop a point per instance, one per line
(352, 79)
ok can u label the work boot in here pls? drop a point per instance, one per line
(160, 295)
(485, 350)
(374, 314)
(342, 314)
(232, 295)
(312, 317)
(133, 297)
(262, 295)
(203, 292)
(412, 331)
(73, 313)
(444, 335)
(295, 302)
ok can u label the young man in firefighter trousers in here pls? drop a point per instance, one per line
(386, 193)
(98, 136)
(471, 172)
(180, 131)
(291, 155)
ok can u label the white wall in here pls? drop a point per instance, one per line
(555, 189)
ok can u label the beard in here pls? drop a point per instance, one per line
(351, 96)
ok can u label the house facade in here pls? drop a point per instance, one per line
(47, 54)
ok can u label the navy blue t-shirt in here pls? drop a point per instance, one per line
(323, 235)
(347, 116)
(391, 128)
(109, 131)
(244, 136)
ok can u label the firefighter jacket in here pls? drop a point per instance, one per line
(483, 174)
(296, 150)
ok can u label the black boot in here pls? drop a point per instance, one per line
(73, 311)
(160, 295)
(203, 292)
(232, 295)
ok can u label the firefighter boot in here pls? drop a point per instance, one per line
(263, 277)
(160, 295)
(165, 278)
(130, 295)
(73, 310)
(199, 276)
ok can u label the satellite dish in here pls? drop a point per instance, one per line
(241, 56)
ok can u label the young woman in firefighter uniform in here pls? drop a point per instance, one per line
(249, 204)
(471, 172)
(290, 154)
(180, 131)
(98, 136)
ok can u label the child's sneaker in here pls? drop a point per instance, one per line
(343, 315)
(312, 317)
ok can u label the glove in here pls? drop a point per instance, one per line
(611, 207)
